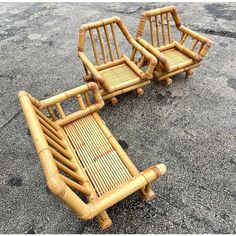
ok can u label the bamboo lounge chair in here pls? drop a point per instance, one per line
(173, 56)
(80, 156)
(114, 73)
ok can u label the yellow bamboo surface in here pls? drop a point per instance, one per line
(102, 164)
(81, 154)
(113, 80)
(175, 57)
(180, 57)
(119, 74)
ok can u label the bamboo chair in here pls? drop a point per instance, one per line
(80, 156)
(173, 56)
(115, 73)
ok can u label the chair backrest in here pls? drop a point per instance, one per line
(159, 31)
(101, 33)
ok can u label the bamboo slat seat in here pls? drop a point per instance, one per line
(173, 56)
(115, 72)
(120, 75)
(102, 163)
(79, 155)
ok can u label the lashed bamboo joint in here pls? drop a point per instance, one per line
(173, 56)
(78, 154)
(114, 73)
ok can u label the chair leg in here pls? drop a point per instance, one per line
(147, 193)
(188, 73)
(139, 92)
(104, 220)
(167, 81)
(113, 101)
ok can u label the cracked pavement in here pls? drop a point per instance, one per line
(189, 126)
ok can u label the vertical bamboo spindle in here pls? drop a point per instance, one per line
(163, 29)
(157, 31)
(115, 41)
(134, 50)
(141, 62)
(102, 45)
(60, 110)
(183, 38)
(193, 45)
(80, 101)
(52, 114)
(88, 102)
(85, 69)
(94, 47)
(168, 27)
(152, 32)
(108, 42)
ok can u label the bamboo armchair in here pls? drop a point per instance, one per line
(80, 156)
(114, 73)
(173, 56)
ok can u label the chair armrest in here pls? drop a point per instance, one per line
(195, 56)
(148, 56)
(205, 41)
(154, 51)
(96, 75)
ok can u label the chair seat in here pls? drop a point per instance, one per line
(176, 57)
(120, 76)
(102, 164)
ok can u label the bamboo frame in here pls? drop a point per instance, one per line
(95, 71)
(81, 154)
(165, 67)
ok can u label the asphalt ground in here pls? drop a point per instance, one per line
(189, 126)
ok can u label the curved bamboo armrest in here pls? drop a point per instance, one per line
(147, 75)
(96, 75)
(205, 41)
(195, 56)
(160, 56)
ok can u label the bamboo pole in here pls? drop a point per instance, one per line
(53, 137)
(157, 32)
(88, 102)
(80, 101)
(194, 44)
(163, 29)
(168, 27)
(106, 96)
(110, 64)
(102, 45)
(52, 124)
(115, 41)
(151, 29)
(60, 110)
(108, 42)
(69, 171)
(57, 146)
(49, 127)
(63, 158)
(76, 186)
(177, 72)
(51, 113)
(94, 46)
